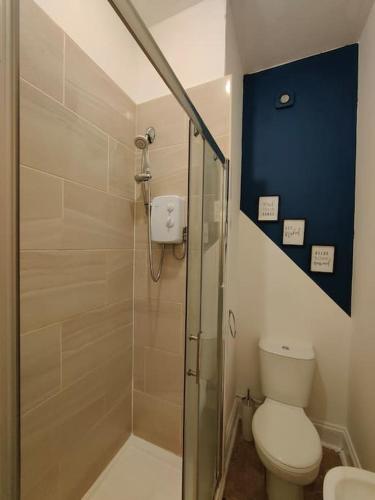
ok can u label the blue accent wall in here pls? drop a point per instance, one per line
(306, 153)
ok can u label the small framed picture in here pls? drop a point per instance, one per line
(294, 232)
(322, 259)
(268, 210)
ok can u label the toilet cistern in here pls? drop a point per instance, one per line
(286, 440)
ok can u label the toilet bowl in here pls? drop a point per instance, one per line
(286, 440)
(288, 446)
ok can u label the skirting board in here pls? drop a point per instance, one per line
(230, 438)
(338, 438)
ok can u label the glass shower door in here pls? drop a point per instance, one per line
(203, 397)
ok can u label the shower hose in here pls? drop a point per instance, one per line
(155, 274)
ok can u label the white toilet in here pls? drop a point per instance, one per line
(286, 440)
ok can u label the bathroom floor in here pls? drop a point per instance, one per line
(140, 471)
(246, 475)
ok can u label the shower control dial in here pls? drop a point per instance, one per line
(170, 207)
(170, 222)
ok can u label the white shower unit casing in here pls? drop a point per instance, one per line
(168, 219)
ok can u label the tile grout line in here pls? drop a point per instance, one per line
(109, 333)
(98, 368)
(64, 69)
(173, 354)
(175, 145)
(69, 110)
(62, 239)
(97, 307)
(76, 316)
(67, 388)
(108, 161)
(63, 212)
(134, 249)
(76, 183)
(161, 400)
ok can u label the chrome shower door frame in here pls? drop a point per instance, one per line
(203, 452)
(9, 252)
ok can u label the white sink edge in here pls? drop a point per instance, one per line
(336, 474)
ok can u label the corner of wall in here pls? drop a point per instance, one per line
(361, 417)
(233, 67)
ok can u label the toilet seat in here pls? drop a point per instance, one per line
(287, 442)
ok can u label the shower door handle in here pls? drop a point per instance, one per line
(195, 373)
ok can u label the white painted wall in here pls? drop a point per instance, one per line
(362, 383)
(275, 297)
(274, 32)
(193, 41)
(233, 66)
(155, 11)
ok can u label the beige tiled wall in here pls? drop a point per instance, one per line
(214, 105)
(77, 241)
(159, 308)
(78, 213)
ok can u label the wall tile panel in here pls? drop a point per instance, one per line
(41, 211)
(93, 95)
(57, 141)
(59, 285)
(41, 50)
(93, 219)
(40, 365)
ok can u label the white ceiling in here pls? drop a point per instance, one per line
(154, 11)
(272, 32)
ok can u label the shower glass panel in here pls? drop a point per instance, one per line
(211, 327)
(193, 312)
(204, 321)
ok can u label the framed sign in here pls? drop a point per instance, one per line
(294, 232)
(322, 259)
(268, 210)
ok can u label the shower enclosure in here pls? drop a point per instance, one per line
(205, 255)
(204, 341)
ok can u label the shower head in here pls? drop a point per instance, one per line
(143, 141)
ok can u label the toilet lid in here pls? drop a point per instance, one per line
(286, 435)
